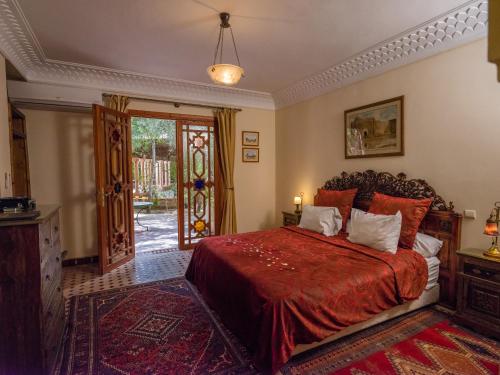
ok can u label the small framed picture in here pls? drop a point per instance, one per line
(250, 155)
(250, 138)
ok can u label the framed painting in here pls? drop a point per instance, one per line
(250, 155)
(250, 138)
(375, 129)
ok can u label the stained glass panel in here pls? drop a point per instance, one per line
(198, 184)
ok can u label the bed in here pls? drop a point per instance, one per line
(287, 290)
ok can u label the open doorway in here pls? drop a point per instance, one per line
(175, 180)
(154, 168)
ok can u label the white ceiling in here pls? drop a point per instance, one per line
(280, 42)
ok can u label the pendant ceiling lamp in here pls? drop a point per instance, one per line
(225, 74)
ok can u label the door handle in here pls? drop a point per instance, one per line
(101, 198)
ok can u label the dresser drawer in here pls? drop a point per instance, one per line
(53, 330)
(51, 275)
(54, 228)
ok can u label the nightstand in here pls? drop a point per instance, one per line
(478, 304)
(291, 218)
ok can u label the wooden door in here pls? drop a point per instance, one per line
(19, 154)
(113, 171)
(197, 181)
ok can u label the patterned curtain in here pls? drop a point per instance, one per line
(117, 102)
(226, 140)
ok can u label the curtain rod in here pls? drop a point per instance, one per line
(176, 104)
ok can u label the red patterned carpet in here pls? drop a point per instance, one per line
(165, 328)
(156, 328)
(441, 349)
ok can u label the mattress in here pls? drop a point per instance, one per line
(433, 271)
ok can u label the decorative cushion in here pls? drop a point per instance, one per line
(380, 232)
(426, 245)
(325, 220)
(342, 199)
(412, 210)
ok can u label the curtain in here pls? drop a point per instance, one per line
(117, 102)
(225, 141)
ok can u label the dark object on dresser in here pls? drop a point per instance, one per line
(31, 300)
(479, 292)
(291, 218)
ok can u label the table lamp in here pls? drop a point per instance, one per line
(491, 229)
(297, 200)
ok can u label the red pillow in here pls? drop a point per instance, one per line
(342, 199)
(412, 210)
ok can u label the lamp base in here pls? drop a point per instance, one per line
(297, 209)
(493, 252)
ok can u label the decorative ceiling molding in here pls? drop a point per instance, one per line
(458, 26)
(19, 44)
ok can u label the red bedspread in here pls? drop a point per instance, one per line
(282, 287)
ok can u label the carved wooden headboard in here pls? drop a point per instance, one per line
(440, 222)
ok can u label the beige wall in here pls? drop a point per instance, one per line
(62, 170)
(5, 169)
(452, 133)
(61, 156)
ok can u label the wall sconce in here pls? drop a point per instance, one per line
(297, 200)
(491, 229)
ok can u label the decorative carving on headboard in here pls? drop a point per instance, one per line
(369, 182)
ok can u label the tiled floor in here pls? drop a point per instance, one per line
(146, 267)
(161, 233)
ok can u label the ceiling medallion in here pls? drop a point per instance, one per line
(225, 74)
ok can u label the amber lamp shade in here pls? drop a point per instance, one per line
(491, 229)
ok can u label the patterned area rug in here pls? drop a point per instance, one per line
(165, 328)
(157, 328)
(441, 349)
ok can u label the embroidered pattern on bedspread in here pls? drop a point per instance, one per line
(277, 288)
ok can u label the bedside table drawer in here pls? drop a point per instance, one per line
(291, 218)
(482, 272)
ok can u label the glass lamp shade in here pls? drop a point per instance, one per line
(297, 200)
(491, 228)
(225, 74)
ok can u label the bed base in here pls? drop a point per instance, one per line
(428, 297)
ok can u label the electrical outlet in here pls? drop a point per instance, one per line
(470, 214)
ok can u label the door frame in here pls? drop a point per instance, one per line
(218, 181)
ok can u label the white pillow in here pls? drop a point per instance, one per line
(325, 220)
(426, 245)
(380, 232)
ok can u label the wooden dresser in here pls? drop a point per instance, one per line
(31, 300)
(479, 292)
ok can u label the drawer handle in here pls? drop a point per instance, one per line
(59, 289)
(47, 277)
(480, 272)
(57, 259)
(47, 241)
(56, 228)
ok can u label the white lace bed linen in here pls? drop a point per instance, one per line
(433, 267)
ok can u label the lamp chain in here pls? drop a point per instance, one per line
(234, 44)
(220, 43)
(217, 47)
